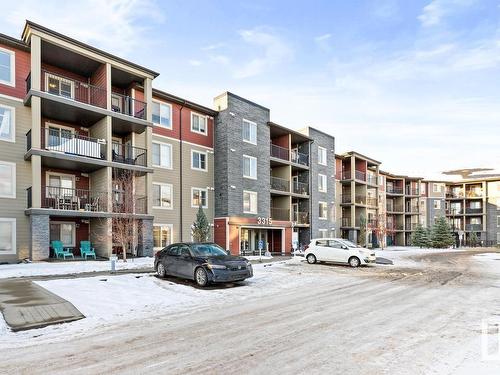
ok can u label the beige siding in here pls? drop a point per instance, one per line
(14, 152)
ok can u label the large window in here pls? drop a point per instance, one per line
(162, 114)
(322, 159)
(7, 124)
(322, 185)
(249, 167)
(162, 195)
(162, 235)
(198, 123)
(250, 202)
(250, 132)
(7, 236)
(198, 160)
(64, 232)
(162, 155)
(59, 86)
(59, 185)
(7, 180)
(7, 67)
(323, 211)
(199, 197)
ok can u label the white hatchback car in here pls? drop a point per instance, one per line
(338, 250)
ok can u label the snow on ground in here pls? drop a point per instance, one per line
(256, 257)
(401, 255)
(487, 256)
(70, 267)
(107, 299)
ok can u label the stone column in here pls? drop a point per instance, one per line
(145, 240)
(40, 237)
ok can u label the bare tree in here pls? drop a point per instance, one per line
(380, 228)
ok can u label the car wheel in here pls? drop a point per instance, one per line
(160, 270)
(354, 262)
(201, 277)
(311, 259)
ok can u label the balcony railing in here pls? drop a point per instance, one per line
(301, 217)
(412, 209)
(346, 175)
(68, 199)
(125, 203)
(473, 193)
(346, 221)
(394, 190)
(473, 227)
(455, 194)
(469, 210)
(394, 226)
(280, 184)
(372, 179)
(280, 152)
(282, 214)
(411, 191)
(411, 226)
(126, 105)
(361, 176)
(363, 199)
(370, 201)
(67, 142)
(394, 207)
(301, 188)
(69, 88)
(346, 198)
(455, 211)
(128, 154)
(299, 158)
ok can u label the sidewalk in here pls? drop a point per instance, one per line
(26, 305)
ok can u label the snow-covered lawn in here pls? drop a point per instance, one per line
(487, 256)
(70, 267)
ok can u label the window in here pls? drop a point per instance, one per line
(59, 185)
(59, 86)
(64, 232)
(198, 123)
(249, 167)
(323, 233)
(249, 202)
(162, 195)
(162, 155)
(7, 236)
(498, 221)
(198, 197)
(250, 132)
(323, 210)
(436, 188)
(7, 67)
(162, 235)
(7, 124)
(322, 156)
(322, 183)
(199, 160)
(437, 204)
(498, 238)
(162, 114)
(7, 180)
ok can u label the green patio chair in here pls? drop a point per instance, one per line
(86, 250)
(60, 251)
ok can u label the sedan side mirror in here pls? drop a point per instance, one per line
(228, 252)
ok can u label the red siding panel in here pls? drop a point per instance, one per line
(23, 67)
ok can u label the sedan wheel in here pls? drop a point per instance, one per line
(160, 270)
(354, 262)
(311, 259)
(200, 276)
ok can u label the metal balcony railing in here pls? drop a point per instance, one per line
(280, 184)
(372, 179)
(411, 226)
(346, 198)
(126, 203)
(473, 193)
(455, 194)
(411, 209)
(301, 217)
(68, 199)
(68, 142)
(281, 214)
(394, 207)
(473, 227)
(280, 152)
(411, 191)
(346, 221)
(469, 210)
(128, 154)
(394, 190)
(69, 88)
(299, 158)
(455, 211)
(370, 201)
(361, 176)
(301, 188)
(394, 226)
(126, 105)
(346, 175)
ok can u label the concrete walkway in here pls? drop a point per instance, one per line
(26, 305)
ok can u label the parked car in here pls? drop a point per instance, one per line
(202, 262)
(336, 250)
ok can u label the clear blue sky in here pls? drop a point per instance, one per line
(414, 84)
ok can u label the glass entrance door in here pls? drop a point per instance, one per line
(250, 237)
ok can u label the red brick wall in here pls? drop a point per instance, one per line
(23, 67)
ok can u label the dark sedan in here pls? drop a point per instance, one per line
(202, 262)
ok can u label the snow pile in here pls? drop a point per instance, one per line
(70, 267)
(487, 256)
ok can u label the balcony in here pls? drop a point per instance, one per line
(346, 198)
(299, 158)
(360, 176)
(128, 154)
(367, 201)
(478, 193)
(125, 203)
(474, 211)
(280, 152)
(394, 190)
(126, 105)
(280, 184)
(372, 180)
(346, 222)
(411, 209)
(394, 226)
(281, 214)
(394, 207)
(68, 142)
(473, 227)
(301, 188)
(411, 226)
(411, 191)
(67, 199)
(455, 195)
(301, 217)
(346, 175)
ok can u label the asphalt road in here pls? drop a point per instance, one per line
(378, 320)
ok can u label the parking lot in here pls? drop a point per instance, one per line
(420, 316)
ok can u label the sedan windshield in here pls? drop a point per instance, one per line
(207, 250)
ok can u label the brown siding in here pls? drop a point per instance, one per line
(23, 67)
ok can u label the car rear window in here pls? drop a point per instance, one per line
(174, 250)
(322, 243)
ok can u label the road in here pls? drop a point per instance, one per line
(379, 320)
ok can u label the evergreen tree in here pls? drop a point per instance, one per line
(201, 227)
(420, 237)
(473, 239)
(441, 234)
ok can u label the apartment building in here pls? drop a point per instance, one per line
(274, 186)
